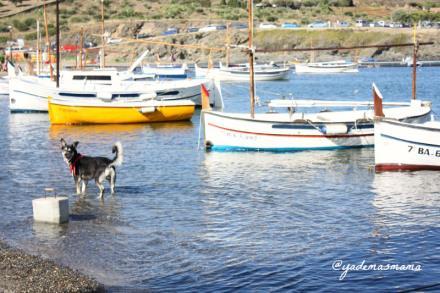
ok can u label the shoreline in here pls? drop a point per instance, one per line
(23, 272)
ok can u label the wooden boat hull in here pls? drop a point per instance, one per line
(316, 68)
(226, 133)
(283, 132)
(406, 146)
(62, 113)
(231, 74)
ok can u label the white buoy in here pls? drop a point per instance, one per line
(51, 209)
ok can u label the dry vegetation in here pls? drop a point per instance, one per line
(126, 18)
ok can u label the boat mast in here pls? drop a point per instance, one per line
(47, 42)
(102, 57)
(38, 48)
(58, 42)
(251, 51)
(414, 73)
(228, 44)
(81, 48)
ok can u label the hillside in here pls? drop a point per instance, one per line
(129, 18)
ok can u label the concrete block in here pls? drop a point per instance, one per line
(51, 209)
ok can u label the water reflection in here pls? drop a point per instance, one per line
(50, 234)
(27, 119)
(297, 168)
(407, 198)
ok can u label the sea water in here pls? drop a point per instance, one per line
(184, 219)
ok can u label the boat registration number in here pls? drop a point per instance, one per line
(423, 151)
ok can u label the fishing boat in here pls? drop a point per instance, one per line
(4, 86)
(29, 93)
(113, 107)
(405, 146)
(339, 66)
(240, 72)
(295, 130)
(166, 70)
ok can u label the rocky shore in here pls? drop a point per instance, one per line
(22, 272)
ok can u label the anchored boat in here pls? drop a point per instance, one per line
(405, 145)
(340, 66)
(240, 72)
(29, 93)
(296, 130)
(114, 107)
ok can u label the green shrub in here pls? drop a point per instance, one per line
(30, 22)
(4, 28)
(20, 26)
(30, 36)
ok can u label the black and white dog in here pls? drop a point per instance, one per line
(84, 168)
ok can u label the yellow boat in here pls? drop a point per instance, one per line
(99, 111)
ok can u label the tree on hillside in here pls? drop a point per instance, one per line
(16, 2)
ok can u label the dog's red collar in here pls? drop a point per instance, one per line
(72, 166)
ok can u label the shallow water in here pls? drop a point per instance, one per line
(188, 220)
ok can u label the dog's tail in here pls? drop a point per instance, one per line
(119, 157)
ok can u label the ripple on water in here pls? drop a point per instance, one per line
(188, 220)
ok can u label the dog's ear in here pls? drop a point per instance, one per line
(63, 142)
(75, 144)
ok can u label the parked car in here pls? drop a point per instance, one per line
(212, 27)
(192, 29)
(89, 44)
(319, 24)
(265, 4)
(69, 48)
(343, 24)
(143, 36)
(239, 26)
(381, 23)
(267, 25)
(171, 31)
(289, 25)
(362, 23)
(113, 41)
(396, 25)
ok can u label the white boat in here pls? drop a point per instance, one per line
(340, 66)
(110, 107)
(405, 146)
(295, 131)
(29, 93)
(240, 72)
(4, 86)
(166, 70)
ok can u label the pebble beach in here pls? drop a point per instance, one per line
(22, 272)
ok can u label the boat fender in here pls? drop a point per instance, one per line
(105, 96)
(148, 96)
(146, 110)
(338, 128)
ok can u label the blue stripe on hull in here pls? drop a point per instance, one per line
(171, 75)
(409, 141)
(17, 111)
(219, 148)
